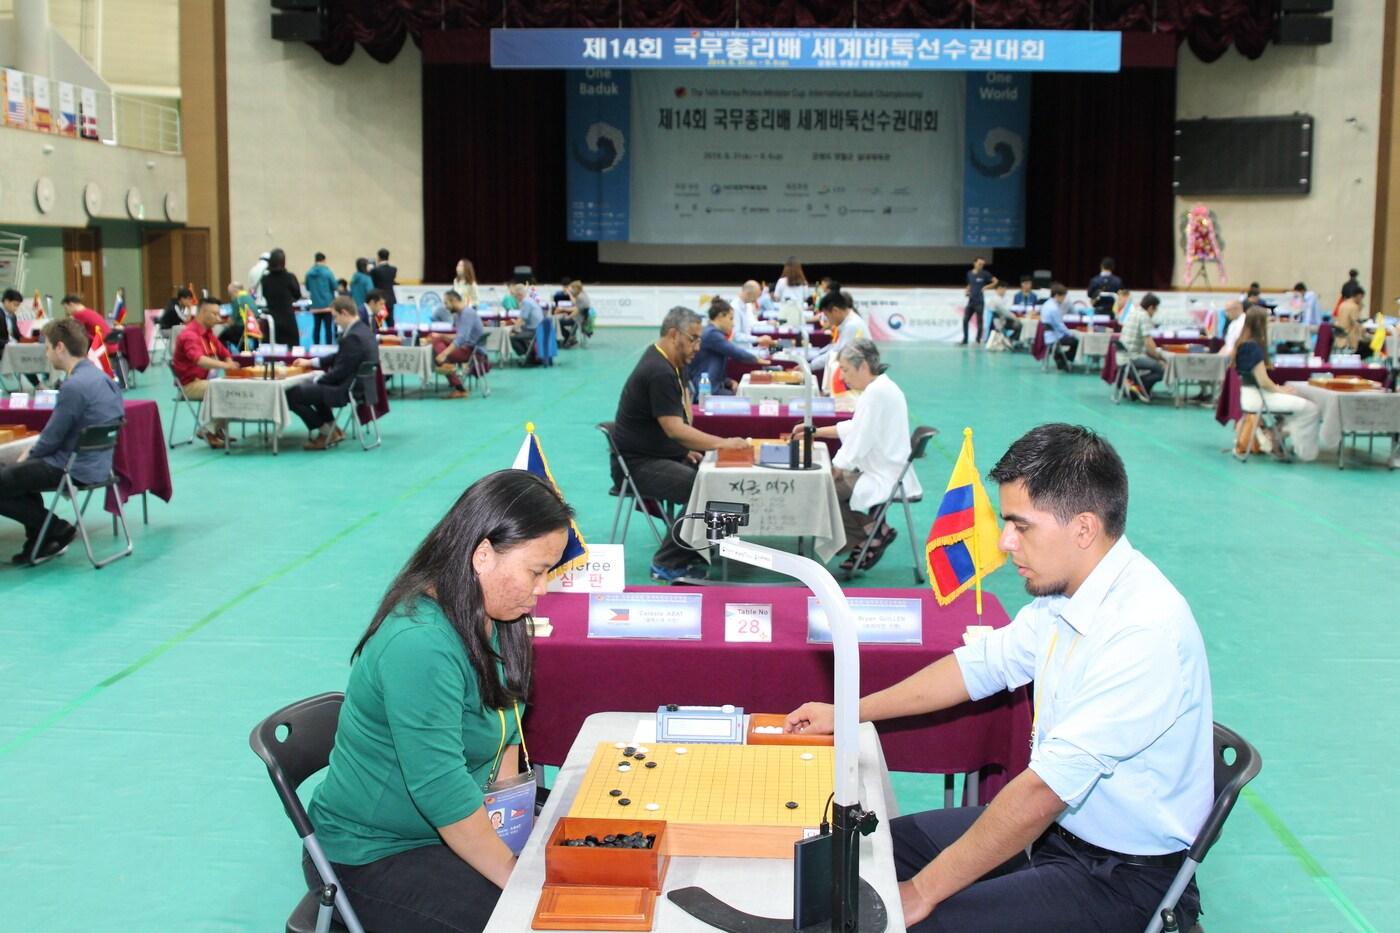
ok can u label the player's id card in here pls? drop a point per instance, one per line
(510, 805)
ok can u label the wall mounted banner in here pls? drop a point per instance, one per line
(67, 109)
(43, 106)
(808, 49)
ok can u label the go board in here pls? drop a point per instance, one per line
(717, 800)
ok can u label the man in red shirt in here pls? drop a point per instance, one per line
(96, 329)
(197, 352)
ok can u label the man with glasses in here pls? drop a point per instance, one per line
(654, 434)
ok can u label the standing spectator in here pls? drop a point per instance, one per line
(792, 284)
(281, 291)
(384, 276)
(320, 288)
(978, 278)
(1352, 285)
(1105, 282)
(464, 283)
(255, 274)
(361, 284)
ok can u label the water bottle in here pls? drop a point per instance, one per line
(704, 389)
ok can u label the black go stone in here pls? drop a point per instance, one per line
(614, 793)
(792, 804)
(629, 751)
(651, 764)
(639, 756)
(625, 802)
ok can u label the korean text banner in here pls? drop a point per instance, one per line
(840, 159)
(808, 49)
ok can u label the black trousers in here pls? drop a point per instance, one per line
(315, 403)
(20, 499)
(427, 890)
(669, 481)
(286, 324)
(1062, 351)
(1150, 372)
(520, 342)
(1057, 890)
(323, 321)
(973, 310)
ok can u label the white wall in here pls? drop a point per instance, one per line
(321, 157)
(1316, 238)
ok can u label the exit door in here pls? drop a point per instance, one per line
(82, 265)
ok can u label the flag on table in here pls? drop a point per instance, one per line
(962, 544)
(1378, 339)
(531, 458)
(38, 306)
(119, 309)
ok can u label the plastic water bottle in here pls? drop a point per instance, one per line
(704, 389)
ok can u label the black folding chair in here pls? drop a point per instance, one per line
(291, 757)
(918, 446)
(1126, 370)
(1230, 778)
(364, 391)
(96, 439)
(625, 488)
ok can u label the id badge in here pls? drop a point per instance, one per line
(510, 805)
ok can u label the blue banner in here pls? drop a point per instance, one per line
(598, 116)
(994, 163)
(808, 49)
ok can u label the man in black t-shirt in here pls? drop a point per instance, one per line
(654, 434)
(1104, 287)
(978, 278)
(384, 277)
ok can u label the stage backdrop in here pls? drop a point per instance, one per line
(869, 159)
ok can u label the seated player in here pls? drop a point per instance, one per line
(374, 311)
(1121, 771)
(315, 402)
(1234, 315)
(86, 398)
(846, 327)
(95, 327)
(197, 353)
(716, 350)
(1060, 342)
(1025, 301)
(751, 306)
(461, 348)
(874, 449)
(178, 310)
(654, 434)
(997, 312)
(1348, 325)
(531, 317)
(1259, 393)
(583, 306)
(432, 714)
(1148, 359)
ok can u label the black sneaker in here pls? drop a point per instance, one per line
(23, 556)
(55, 543)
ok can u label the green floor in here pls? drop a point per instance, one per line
(129, 799)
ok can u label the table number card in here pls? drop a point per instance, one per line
(769, 408)
(748, 622)
(878, 621)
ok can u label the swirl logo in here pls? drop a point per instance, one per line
(896, 321)
(1004, 151)
(605, 148)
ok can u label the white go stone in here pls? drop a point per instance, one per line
(682, 750)
(653, 806)
(624, 767)
(807, 756)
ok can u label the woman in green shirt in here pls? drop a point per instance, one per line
(432, 713)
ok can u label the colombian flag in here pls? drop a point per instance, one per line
(531, 459)
(962, 545)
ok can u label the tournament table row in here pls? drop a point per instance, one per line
(576, 675)
(139, 459)
(762, 426)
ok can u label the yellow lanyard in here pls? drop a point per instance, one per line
(685, 393)
(501, 750)
(1040, 693)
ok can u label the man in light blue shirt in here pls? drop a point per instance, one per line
(531, 317)
(1121, 772)
(1060, 343)
(463, 348)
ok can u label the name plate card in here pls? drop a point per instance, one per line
(727, 405)
(644, 615)
(604, 573)
(879, 621)
(45, 398)
(748, 622)
(820, 406)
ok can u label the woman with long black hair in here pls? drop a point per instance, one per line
(432, 714)
(281, 291)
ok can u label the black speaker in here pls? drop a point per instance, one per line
(298, 26)
(1306, 6)
(1302, 29)
(316, 5)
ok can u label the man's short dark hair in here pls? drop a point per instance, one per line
(1299, 287)
(451, 293)
(375, 295)
(1358, 290)
(72, 299)
(1068, 469)
(320, 257)
(1150, 300)
(836, 299)
(719, 307)
(383, 254)
(183, 293)
(1058, 289)
(1106, 263)
(11, 295)
(69, 334)
(210, 300)
(1027, 277)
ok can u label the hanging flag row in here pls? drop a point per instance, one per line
(29, 105)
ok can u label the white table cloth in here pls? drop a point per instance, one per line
(1329, 432)
(781, 391)
(407, 361)
(251, 400)
(24, 358)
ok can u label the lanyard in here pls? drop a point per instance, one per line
(501, 749)
(1039, 693)
(680, 383)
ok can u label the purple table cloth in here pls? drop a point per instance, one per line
(760, 426)
(139, 460)
(576, 676)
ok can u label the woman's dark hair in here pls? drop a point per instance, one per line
(276, 261)
(1255, 329)
(362, 264)
(792, 270)
(507, 508)
(1068, 469)
(469, 269)
(719, 306)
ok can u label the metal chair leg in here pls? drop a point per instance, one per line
(617, 515)
(913, 545)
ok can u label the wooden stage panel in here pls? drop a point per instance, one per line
(724, 800)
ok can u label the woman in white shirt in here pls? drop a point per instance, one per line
(874, 450)
(464, 283)
(792, 284)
